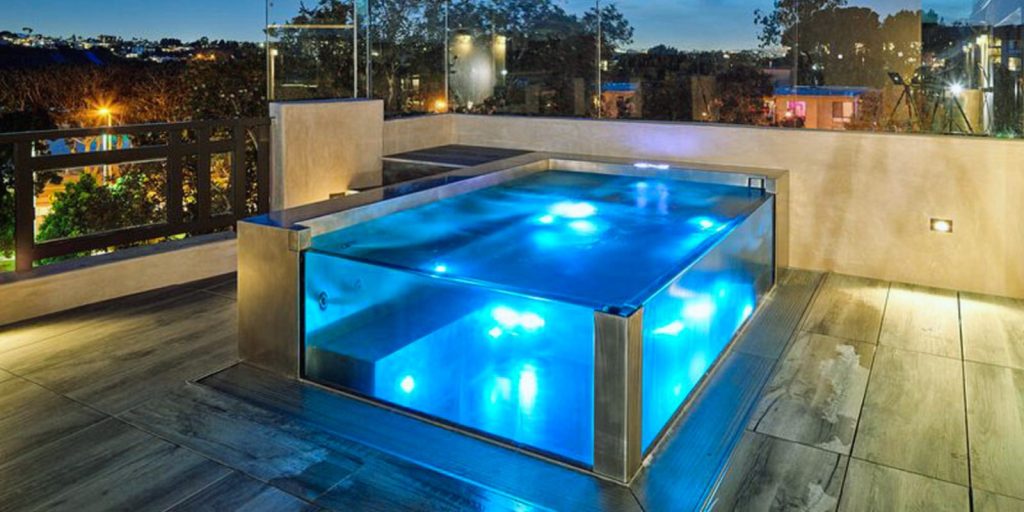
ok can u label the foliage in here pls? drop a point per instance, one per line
(63, 96)
(23, 121)
(777, 25)
(86, 206)
(742, 90)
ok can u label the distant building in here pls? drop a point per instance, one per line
(621, 100)
(826, 108)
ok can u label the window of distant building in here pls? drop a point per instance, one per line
(842, 111)
(797, 108)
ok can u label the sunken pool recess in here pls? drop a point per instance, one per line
(567, 307)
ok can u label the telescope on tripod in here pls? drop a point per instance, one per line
(945, 98)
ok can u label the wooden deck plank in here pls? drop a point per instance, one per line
(18, 335)
(913, 417)
(390, 484)
(239, 493)
(464, 457)
(296, 457)
(816, 393)
(923, 320)
(225, 285)
(848, 307)
(128, 358)
(872, 487)
(261, 444)
(765, 473)
(34, 416)
(993, 330)
(108, 466)
(995, 419)
(228, 289)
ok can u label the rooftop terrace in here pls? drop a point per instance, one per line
(885, 397)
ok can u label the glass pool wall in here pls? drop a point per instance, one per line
(512, 366)
(688, 324)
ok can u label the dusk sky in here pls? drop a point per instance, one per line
(685, 24)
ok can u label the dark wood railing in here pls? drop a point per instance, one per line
(205, 138)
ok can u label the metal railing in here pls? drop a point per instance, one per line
(174, 143)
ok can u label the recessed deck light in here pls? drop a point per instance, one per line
(942, 225)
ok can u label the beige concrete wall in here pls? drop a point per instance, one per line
(37, 295)
(413, 133)
(860, 202)
(324, 147)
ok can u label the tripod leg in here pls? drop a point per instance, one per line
(963, 114)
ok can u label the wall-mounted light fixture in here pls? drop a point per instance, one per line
(942, 225)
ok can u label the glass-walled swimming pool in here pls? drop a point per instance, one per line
(479, 310)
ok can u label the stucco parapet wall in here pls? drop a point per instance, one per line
(324, 147)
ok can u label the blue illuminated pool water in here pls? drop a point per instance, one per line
(479, 309)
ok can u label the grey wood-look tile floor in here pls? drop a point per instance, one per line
(885, 397)
(923, 389)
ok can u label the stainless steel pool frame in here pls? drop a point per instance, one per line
(270, 277)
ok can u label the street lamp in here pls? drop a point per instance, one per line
(107, 115)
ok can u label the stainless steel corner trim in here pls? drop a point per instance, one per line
(300, 239)
(269, 297)
(618, 344)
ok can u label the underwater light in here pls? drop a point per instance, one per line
(531, 321)
(672, 329)
(511, 319)
(547, 219)
(583, 226)
(441, 269)
(704, 223)
(502, 389)
(647, 165)
(571, 210)
(699, 310)
(747, 311)
(505, 316)
(495, 333)
(408, 384)
(527, 388)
